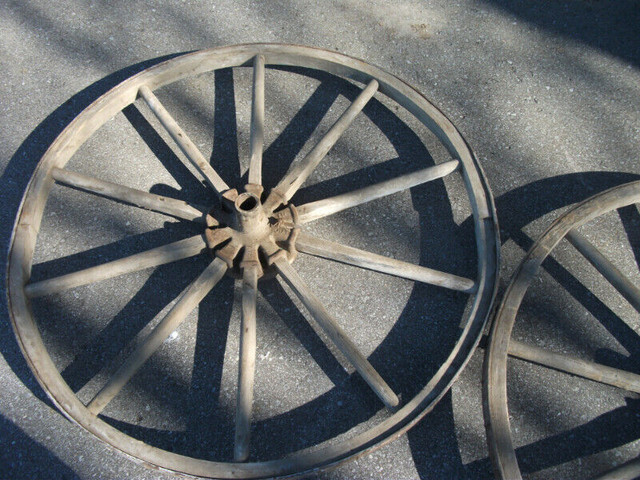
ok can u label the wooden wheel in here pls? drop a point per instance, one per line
(251, 230)
(502, 343)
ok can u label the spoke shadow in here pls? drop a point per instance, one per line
(617, 327)
(23, 162)
(348, 182)
(17, 175)
(192, 188)
(89, 344)
(117, 335)
(517, 209)
(210, 426)
(190, 401)
(591, 438)
(299, 326)
(224, 156)
(130, 245)
(280, 154)
(566, 190)
(630, 217)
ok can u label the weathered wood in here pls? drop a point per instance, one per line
(192, 296)
(336, 334)
(183, 141)
(256, 138)
(247, 366)
(133, 263)
(132, 196)
(576, 366)
(495, 400)
(329, 206)
(608, 270)
(196, 63)
(308, 244)
(294, 179)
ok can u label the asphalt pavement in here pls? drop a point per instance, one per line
(547, 94)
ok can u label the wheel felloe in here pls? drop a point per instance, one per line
(252, 233)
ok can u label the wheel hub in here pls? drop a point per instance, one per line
(243, 230)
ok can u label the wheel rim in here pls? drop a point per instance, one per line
(501, 344)
(249, 247)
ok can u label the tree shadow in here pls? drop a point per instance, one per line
(608, 26)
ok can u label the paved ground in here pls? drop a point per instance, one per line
(546, 93)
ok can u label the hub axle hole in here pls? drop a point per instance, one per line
(247, 202)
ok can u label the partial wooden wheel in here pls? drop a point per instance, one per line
(100, 317)
(506, 338)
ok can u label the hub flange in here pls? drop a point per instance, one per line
(243, 230)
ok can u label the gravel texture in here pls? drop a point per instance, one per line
(547, 95)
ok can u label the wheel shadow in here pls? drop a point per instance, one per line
(517, 209)
(630, 217)
(15, 179)
(321, 418)
(34, 461)
(352, 392)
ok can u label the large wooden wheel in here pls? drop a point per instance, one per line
(502, 343)
(251, 230)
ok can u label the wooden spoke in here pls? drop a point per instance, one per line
(501, 345)
(290, 184)
(151, 258)
(184, 142)
(336, 334)
(576, 366)
(187, 302)
(138, 198)
(247, 365)
(360, 258)
(256, 139)
(329, 206)
(608, 270)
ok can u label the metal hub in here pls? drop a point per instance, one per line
(243, 231)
